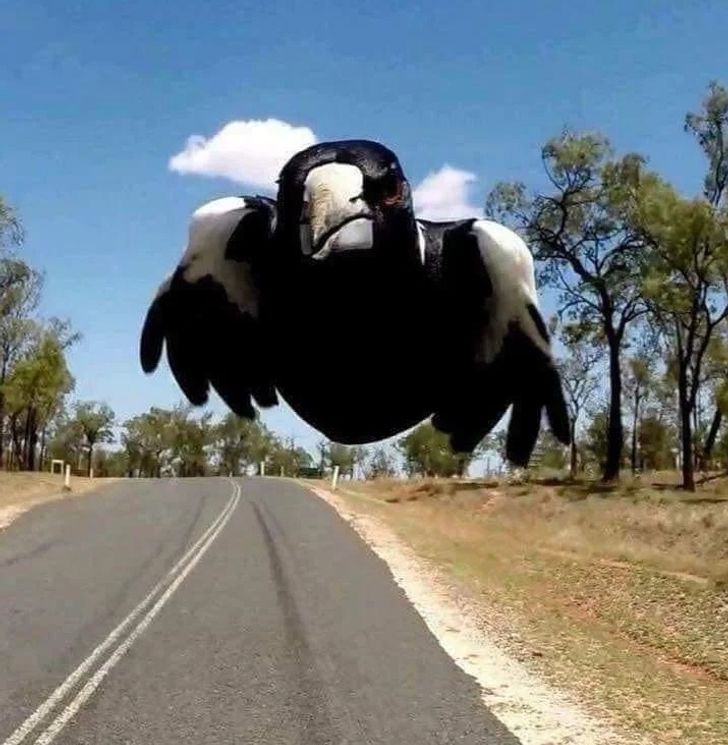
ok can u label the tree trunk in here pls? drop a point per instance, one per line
(26, 458)
(695, 430)
(42, 455)
(686, 434)
(14, 460)
(615, 433)
(2, 428)
(32, 439)
(573, 456)
(711, 438)
(3, 378)
(635, 419)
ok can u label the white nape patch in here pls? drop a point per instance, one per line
(331, 196)
(421, 242)
(210, 229)
(510, 268)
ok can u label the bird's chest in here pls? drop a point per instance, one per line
(355, 314)
(354, 343)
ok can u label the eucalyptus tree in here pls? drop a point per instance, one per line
(586, 247)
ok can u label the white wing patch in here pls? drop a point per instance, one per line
(210, 229)
(510, 268)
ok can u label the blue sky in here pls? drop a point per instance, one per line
(97, 97)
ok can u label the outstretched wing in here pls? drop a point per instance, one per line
(496, 337)
(206, 312)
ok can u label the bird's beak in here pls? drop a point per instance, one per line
(335, 216)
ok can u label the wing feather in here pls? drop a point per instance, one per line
(206, 313)
(497, 340)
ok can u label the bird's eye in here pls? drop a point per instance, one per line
(387, 189)
(392, 188)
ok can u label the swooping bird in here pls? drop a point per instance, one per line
(365, 319)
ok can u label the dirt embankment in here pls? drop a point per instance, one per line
(20, 492)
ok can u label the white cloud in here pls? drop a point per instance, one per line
(250, 152)
(445, 195)
(253, 151)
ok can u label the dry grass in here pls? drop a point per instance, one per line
(619, 595)
(21, 491)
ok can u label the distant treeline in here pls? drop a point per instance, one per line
(641, 276)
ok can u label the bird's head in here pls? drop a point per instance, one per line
(342, 197)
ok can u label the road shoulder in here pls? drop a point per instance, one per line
(20, 492)
(532, 709)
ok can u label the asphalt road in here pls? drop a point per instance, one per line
(212, 611)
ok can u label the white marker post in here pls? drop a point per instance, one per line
(262, 468)
(335, 478)
(67, 477)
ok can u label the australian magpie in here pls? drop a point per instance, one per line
(363, 318)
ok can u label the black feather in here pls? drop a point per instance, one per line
(536, 386)
(233, 393)
(229, 375)
(187, 367)
(556, 409)
(521, 376)
(265, 395)
(538, 322)
(252, 234)
(209, 341)
(477, 401)
(152, 339)
(523, 429)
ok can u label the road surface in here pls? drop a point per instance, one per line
(216, 611)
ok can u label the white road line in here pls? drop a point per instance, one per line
(93, 683)
(59, 693)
